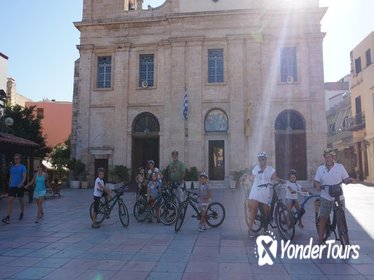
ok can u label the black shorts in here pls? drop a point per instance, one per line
(96, 203)
(16, 192)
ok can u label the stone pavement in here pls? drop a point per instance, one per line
(63, 245)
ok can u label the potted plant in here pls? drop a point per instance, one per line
(192, 177)
(84, 180)
(77, 168)
(120, 175)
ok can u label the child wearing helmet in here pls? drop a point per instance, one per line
(141, 181)
(292, 187)
(153, 191)
(204, 197)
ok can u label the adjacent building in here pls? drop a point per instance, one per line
(338, 113)
(362, 95)
(251, 72)
(56, 119)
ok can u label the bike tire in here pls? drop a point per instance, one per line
(140, 210)
(168, 212)
(181, 214)
(342, 227)
(286, 231)
(258, 221)
(100, 215)
(215, 214)
(123, 214)
(327, 227)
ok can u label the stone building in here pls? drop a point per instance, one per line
(252, 71)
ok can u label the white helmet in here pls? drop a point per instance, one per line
(203, 174)
(262, 155)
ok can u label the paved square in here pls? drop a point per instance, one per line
(64, 246)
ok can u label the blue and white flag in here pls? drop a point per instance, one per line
(185, 103)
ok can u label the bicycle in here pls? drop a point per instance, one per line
(168, 209)
(278, 212)
(215, 212)
(105, 208)
(338, 217)
(297, 215)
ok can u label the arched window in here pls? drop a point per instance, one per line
(146, 123)
(216, 121)
(289, 120)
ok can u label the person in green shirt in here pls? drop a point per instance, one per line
(176, 172)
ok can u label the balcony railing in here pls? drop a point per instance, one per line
(356, 122)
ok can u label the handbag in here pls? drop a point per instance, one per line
(335, 190)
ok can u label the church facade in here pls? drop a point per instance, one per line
(251, 72)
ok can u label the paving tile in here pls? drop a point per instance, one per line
(199, 276)
(170, 267)
(139, 266)
(364, 269)
(164, 275)
(343, 269)
(64, 273)
(33, 273)
(133, 275)
(202, 267)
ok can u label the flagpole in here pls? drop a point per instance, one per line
(185, 107)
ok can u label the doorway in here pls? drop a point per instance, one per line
(216, 159)
(145, 141)
(145, 149)
(290, 144)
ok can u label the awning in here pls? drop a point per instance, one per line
(7, 140)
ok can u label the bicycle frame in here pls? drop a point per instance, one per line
(113, 201)
(274, 200)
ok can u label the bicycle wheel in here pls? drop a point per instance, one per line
(140, 210)
(168, 212)
(215, 214)
(258, 221)
(342, 227)
(123, 213)
(285, 229)
(327, 233)
(181, 214)
(100, 215)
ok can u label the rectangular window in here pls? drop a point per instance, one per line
(368, 57)
(215, 66)
(40, 113)
(358, 65)
(288, 65)
(146, 70)
(104, 72)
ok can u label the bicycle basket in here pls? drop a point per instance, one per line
(335, 190)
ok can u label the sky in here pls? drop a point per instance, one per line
(40, 40)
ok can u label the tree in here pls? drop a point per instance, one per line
(28, 126)
(60, 154)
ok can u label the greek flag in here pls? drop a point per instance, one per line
(185, 103)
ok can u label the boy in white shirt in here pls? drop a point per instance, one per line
(100, 190)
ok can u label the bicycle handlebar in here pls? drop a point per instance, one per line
(327, 186)
(270, 184)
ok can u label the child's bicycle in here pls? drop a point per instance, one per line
(105, 208)
(297, 215)
(165, 201)
(215, 212)
(278, 214)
